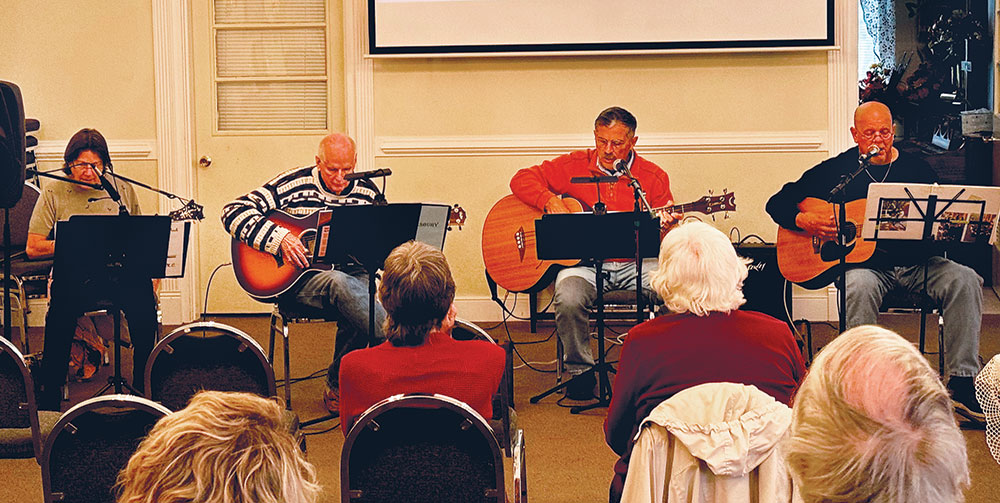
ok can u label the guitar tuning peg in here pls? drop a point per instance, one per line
(711, 192)
(713, 218)
(725, 190)
(725, 216)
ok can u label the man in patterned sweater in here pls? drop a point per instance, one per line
(340, 294)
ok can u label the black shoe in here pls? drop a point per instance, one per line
(963, 397)
(581, 387)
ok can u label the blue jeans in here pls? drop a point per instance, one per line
(955, 287)
(343, 297)
(576, 292)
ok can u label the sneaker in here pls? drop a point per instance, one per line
(963, 398)
(581, 387)
(331, 399)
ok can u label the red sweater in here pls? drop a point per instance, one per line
(469, 371)
(537, 184)
(674, 352)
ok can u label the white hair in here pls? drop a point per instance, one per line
(699, 271)
(872, 422)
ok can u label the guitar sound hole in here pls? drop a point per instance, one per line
(850, 232)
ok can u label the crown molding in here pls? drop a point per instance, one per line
(657, 143)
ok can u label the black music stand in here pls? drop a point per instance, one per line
(595, 237)
(366, 234)
(887, 215)
(100, 250)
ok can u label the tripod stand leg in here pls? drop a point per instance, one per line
(116, 381)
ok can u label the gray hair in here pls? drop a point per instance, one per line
(872, 422)
(699, 271)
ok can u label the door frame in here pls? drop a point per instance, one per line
(173, 79)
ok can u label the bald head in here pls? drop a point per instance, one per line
(873, 128)
(336, 145)
(335, 159)
(871, 109)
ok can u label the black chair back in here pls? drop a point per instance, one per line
(503, 399)
(206, 356)
(421, 448)
(20, 436)
(91, 443)
(20, 215)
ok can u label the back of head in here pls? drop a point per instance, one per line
(223, 447)
(417, 291)
(873, 423)
(699, 271)
(86, 139)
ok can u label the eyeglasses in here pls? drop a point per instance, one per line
(98, 167)
(614, 143)
(882, 133)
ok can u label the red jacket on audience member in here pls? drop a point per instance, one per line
(469, 371)
(674, 352)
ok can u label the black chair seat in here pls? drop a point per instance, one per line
(899, 298)
(24, 268)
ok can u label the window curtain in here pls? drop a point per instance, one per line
(880, 21)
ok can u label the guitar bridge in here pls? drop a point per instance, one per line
(519, 242)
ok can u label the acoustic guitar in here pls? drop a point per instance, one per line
(265, 276)
(808, 260)
(509, 239)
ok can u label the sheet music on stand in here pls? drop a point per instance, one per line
(961, 213)
(177, 249)
(381, 227)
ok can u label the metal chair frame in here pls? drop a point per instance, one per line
(247, 343)
(279, 323)
(28, 406)
(369, 421)
(65, 424)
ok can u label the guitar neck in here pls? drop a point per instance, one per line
(682, 208)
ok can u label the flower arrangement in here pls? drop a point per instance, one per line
(882, 82)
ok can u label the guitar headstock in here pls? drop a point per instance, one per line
(456, 217)
(190, 211)
(713, 204)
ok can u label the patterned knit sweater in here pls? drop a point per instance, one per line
(298, 192)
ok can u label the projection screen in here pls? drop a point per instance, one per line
(502, 26)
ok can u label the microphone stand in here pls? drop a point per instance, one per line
(640, 201)
(838, 197)
(189, 209)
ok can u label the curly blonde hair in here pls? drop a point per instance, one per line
(222, 448)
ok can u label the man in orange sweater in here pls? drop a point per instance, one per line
(543, 185)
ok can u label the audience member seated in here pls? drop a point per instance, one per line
(705, 339)
(418, 294)
(223, 447)
(873, 423)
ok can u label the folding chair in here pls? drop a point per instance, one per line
(504, 421)
(425, 448)
(91, 443)
(211, 356)
(23, 427)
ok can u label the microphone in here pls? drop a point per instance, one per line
(364, 175)
(872, 152)
(109, 188)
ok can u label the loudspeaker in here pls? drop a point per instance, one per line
(11, 144)
(764, 287)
